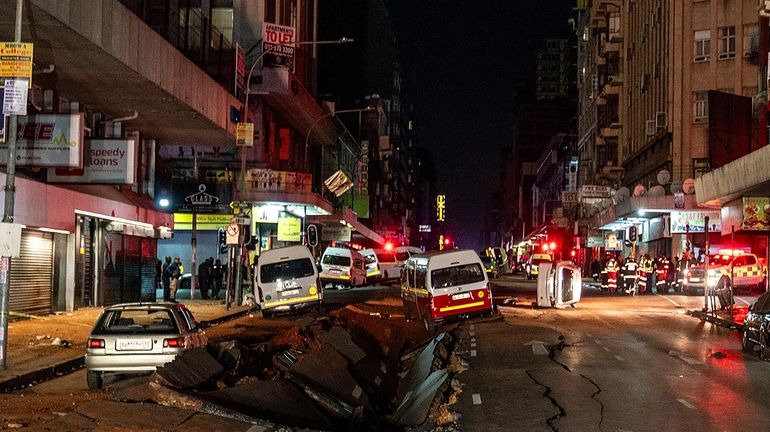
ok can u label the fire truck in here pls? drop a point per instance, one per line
(735, 269)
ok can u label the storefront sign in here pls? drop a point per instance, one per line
(49, 140)
(278, 45)
(756, 214)
(594, 191)
(424, 228)
(15, 97)
(240, 68)
(266, 213)
(612, 243)
(202, 197)
(16, 60)
(696, 221)
(340, 233)
(106, 162)
(569, 199)
(289, 228)
(203, 222)
(363, 169)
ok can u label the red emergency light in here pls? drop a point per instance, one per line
(388, 246)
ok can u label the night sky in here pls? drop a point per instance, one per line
(468, 57)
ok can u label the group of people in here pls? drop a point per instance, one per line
(210, 275)
(632, 277)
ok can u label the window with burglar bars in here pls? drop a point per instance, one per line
(727, 42)
(701, 107)
(702, 45)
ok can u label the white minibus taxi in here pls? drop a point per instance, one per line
(342, 266)
(287, 279)
(439, 285)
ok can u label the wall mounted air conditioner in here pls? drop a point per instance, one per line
(661, 120)
(649, 128)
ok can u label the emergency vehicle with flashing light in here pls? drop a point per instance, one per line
(726, 269)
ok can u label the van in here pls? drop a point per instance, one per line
(390, 267)
(440, 285)
(341, 266)
(404, 252)
(287, 279)
(372, 264)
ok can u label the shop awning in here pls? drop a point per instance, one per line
(748, 175)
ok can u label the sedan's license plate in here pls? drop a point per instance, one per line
(134, 344)
(290, 292)
(461, 296)
(694, 279)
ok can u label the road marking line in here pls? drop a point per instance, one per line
(473, 353)
(684, 358)
(606, 349)
(619, 358)
(473, 327)
(669, 300)
(473, 339)
(473, 344)
(687, 404)
(472, 334)
(476, 399)
(598, 341)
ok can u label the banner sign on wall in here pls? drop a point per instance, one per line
(696, 220)
(283, 181)
(106, 162)
(756, 214)
(49, 140)
(332, 233)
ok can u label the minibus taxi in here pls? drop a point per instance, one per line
(372, 264)
(440, 285)
(287, 279)
(390, 266)
(342, 267)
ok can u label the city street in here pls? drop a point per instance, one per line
(612, 363)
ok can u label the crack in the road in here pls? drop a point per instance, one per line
(593, 396)
(550, 421)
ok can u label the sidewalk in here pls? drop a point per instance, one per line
(35, 354)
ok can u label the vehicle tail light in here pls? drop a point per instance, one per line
(173, 343)
(482, 293)
(95, 343)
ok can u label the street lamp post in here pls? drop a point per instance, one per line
(318, 120)
(239, 197)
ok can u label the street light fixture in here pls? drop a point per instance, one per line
(319, 119)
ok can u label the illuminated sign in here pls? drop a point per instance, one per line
(424, 228)
(289, 229)
(441, 208)
(441, 242)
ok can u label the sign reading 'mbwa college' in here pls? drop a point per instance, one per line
(48, 140)
(107, 162)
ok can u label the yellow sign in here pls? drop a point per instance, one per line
(204, 222)
(441, 242)
(289, 229)
(244, 135)
(16, 60)
(440, 208)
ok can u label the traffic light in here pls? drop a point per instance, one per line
(312, 235)
(632, 233)
(222, 239)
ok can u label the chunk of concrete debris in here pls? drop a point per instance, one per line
(189, 370)
(327, 369)
(340, 339)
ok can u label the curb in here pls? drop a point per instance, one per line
(48, 373)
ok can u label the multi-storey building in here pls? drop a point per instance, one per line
(162, 85)
(554, 70)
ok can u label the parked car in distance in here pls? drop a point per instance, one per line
(490, 266)
(531, 269)
(755, 327)
(139, 338)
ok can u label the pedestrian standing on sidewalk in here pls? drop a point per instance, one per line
(217, 273)
(166, 279)
(203, 279)
(174, 270)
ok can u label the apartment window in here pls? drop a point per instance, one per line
(751, 40)
(702, 45)
(727, 42)
(701, 108)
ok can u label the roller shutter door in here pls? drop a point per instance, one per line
(31, 278)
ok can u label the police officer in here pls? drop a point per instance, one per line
(661, 268)
(604, 275)
(629, 276)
